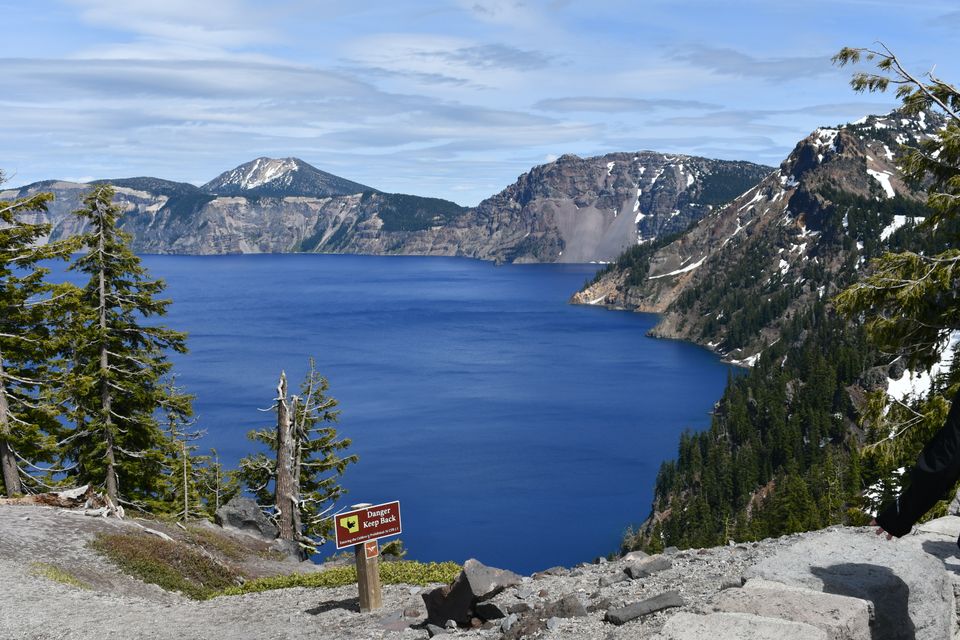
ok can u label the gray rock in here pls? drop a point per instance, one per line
(475, 583)
(449, 602)
(841, 617)
(669, 551)
(518, 607)
(289, 548)
(450, 624)
(245, 515)
(910, 590)
(735, 626)
(569, 606)
(490, 611)
(730, 582)
(485, 582)
(553, 623)
(528, 624)
(666, 600)
(552, 571)
(607, 581)
(635, 555)
(525, 593)
(647, 567)
(435, 630)
(948, 526)
(508, 622)
(600, 605)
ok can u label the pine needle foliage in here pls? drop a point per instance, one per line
(29, 307)
(118, 362)
(910, 301)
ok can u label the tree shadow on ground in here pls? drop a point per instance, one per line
(889, 594)
(347, 604)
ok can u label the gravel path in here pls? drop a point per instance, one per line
(118, 607)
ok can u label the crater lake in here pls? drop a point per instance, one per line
(513, 427)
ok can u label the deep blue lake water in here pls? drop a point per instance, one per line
(512, 426)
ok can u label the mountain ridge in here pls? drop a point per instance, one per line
(570, 210)
(784, 243)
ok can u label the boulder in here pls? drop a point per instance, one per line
(243, 514)
(289, 548)
(735, 626)
(485, 582)
(635, 555)
(647, 567)
(476, 583)
(841, 617)
(666, 600)
(911, 591)
(608, 581)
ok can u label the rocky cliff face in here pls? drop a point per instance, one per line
(591, 209)
(571, 210)
(796, 237)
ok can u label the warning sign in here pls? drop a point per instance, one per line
(368, 523)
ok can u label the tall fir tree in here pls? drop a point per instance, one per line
(306, 445)
(118, 363)
(29, 307)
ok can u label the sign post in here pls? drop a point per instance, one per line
(368, 576)
(360, 529)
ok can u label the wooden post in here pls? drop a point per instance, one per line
(368, 576)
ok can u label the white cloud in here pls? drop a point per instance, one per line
(172, 29)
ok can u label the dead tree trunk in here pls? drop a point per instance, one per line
(105, 396)
(297, 459)
(186, 493)
(8, 463)
(286, 483)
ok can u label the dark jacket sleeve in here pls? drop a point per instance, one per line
(937, 470)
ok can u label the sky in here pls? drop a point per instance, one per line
(444, 98)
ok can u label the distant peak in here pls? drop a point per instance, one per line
(281, 177)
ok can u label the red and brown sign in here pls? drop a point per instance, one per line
(367, 523)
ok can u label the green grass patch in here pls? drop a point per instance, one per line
(400, 572)
(171, 565)
(55, 573)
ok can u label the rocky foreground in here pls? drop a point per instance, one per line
(839, 583)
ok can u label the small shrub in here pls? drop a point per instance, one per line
(394, 549)
(171, 565)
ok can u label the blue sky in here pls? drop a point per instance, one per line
(443, 98)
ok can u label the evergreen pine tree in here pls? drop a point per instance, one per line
(28, 307)
(118, 363)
